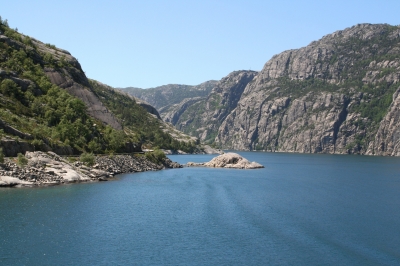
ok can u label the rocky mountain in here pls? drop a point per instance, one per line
(166, 95)
(47, 103)
(339, 94)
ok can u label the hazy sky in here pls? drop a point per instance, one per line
(151, 43)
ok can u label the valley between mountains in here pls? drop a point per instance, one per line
(338, 95)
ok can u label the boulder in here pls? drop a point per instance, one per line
(9, 181)
(229, 160)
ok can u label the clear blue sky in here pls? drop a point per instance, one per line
(151, 43)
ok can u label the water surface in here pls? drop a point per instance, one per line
(300, 209)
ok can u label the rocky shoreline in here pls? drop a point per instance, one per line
(51, 169)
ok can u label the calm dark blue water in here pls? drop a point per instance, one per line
(299, 210)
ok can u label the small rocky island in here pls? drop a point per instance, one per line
(48, 168)
(229, 160)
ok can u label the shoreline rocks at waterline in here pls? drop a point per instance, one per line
(229, 160)
(51, 169)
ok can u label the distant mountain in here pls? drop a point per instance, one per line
(167, 95)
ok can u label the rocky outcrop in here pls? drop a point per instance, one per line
(149, 108)
(11, 147)
(13, 131)
(23, 83)
(229, 160)
(51, 169)
(77, 85)
(9, 181)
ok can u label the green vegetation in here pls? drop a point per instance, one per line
(87, 158)
(157, 156)
(377, 101)
(32, 104)
(38, 107)
(142, 126)
(21, 160)
(1, 155)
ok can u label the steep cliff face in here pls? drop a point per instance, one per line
(201, 117)
(387, 139)
(332, 96)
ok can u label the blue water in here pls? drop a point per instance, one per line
(298, 210)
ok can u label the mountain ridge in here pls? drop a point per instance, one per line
(165, 95)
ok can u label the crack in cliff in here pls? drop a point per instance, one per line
(341, 119)
(287, 64)
(255, 133)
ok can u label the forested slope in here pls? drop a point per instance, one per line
(48, 103)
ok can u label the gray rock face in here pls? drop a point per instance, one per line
(387, 139)
(150, 109)
(209, 150)
(332, 96)
(202, 117)
(9, 181)
(12, 147)
(310, 124)
(171, 113)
